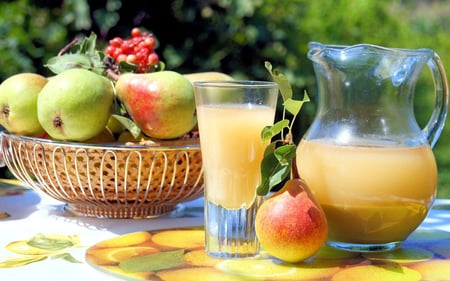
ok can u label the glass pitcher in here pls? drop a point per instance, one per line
(365, 158)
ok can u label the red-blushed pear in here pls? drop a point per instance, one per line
(290, 224)
(18, 104)
(160, 103)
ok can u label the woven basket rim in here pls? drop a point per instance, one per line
(188, 144)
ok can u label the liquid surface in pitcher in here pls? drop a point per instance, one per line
(369, 194)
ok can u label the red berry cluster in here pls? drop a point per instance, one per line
(138, 50)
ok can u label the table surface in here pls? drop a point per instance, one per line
(25, 213)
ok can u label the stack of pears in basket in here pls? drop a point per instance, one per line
(112, 133)
(122, 94)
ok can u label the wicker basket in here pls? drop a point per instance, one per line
(113, 181)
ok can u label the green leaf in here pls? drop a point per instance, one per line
(129, 124)
(67, 257)
(153, 262)
(269, 132)
(86, 57)
(269, 165)
(270, 149)
(43, 242)
(125, 67)
(272, 173)
(117, 106)
(59, 64)
(277, 161)
(283, 83)
(87, 46)
(294, 106)
(266, 134)
(275, 167)
(279, 126)
(21, 261)
(281, 174)
(285, 154)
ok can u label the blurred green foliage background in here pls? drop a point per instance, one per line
(235, 37)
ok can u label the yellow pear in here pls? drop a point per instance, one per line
(18, 104)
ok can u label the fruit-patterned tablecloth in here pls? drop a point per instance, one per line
(39, 240)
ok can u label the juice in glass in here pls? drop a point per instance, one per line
(231, 116)
(371, 195)
(236, 148)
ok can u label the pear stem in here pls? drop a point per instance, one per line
(67, 47)
(294, 170)
(111, 74)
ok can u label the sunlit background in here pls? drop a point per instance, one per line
(235, 37)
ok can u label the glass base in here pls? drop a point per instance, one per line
(365, 248)
(231, 233)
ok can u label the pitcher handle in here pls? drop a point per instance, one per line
(435, 125)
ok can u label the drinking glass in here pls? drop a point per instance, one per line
(231, 116)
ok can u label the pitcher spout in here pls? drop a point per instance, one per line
(375, 86)
(318, 51)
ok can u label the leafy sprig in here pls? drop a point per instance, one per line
(83, 53)
(279, 154)
(85, 56)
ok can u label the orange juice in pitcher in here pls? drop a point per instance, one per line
(371, 195)
(365, 158)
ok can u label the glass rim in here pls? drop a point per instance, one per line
(235, 84)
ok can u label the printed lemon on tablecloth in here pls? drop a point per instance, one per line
(188, 239)
(277, 270)
(130, 239)
(256, 268)
(194, 274)
(104, 256)
(117, 270)
(433, 269)
(391, 271)
(200, 258)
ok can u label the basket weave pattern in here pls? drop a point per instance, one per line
(107, 181)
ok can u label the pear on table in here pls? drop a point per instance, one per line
(290, 224)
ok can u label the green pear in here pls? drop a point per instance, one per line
(75, 105)
(161, 103)
(18, 101)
